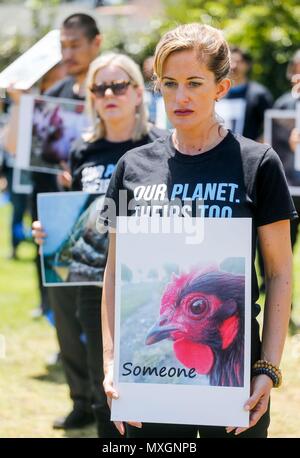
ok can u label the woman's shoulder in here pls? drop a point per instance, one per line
(152, 147)
(256, 158)
(251, 148)
(156, 132)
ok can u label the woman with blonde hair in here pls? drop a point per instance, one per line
(115, 103)
(192, 64)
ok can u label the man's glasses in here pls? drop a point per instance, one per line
(117, 88)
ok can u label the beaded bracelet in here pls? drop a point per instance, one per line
(269, 369)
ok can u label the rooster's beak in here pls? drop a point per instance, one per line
(159, 331)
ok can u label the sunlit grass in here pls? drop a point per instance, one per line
(31, 396)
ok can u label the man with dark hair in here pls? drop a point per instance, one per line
(257, 97)
(80, 43)
(84, 22)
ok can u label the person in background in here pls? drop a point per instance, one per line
(80, 44)
(115, 102)
(257, 97)
(288, 101)
(21, 201)
(4, 170)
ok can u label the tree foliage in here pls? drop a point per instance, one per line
(269, 30)
(12, 46)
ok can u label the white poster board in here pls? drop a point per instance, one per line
(176, 329)
(48, 127)
(232, 112)
(278, 125)
(34, 63)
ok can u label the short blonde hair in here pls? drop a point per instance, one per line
(208, 42)
(133, 71)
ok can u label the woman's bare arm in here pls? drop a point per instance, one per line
(276, 249)
(108, 304)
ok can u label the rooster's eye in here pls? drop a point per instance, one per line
(198, 306)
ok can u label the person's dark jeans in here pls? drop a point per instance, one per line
(77, 313)
(89, 315)
(63, 303)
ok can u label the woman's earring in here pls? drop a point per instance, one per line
(217, 99)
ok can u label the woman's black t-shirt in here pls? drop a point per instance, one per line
(237, 178)
(92, 163)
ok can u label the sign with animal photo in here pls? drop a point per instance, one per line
(48, 126)
(182, 329)
(74, 251)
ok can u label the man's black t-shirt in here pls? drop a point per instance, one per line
(64, 89)
(237, 178)
(92, 164)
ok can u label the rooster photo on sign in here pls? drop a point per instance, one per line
(202, 313)
(182, 318)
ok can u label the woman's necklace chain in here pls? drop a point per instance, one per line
(204, 147)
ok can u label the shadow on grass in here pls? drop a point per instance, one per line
(82, 433)
(54, 374)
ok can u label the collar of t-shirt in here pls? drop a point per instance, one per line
(195, 158)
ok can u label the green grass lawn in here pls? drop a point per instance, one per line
(32, 395)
